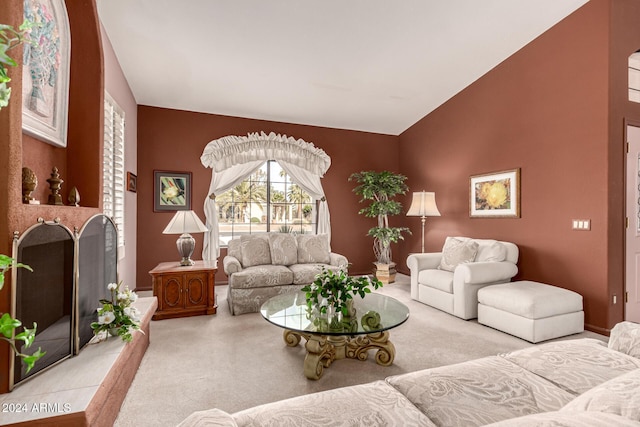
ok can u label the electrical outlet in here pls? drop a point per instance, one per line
(581, 224)
(615, 299)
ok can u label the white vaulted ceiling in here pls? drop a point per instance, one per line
(370, 65)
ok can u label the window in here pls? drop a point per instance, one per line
(266, 201)
(113, 166)
(634, 77)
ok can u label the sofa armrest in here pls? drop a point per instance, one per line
(625, 338)
(419, 262)
(339, 260)
(212, 417)
(427, 261)
(231, 265)
(485, 272)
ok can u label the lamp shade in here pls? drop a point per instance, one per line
(423, 204)
(185, 222)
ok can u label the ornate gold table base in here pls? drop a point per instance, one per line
(322, 350)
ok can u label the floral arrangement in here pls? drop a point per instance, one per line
(43, 58)
(116, 316)
(335, 289)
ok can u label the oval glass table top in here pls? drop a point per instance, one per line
(373, 313)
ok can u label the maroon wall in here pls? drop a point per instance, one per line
(174, 140)
(555, 109)
(544, 110)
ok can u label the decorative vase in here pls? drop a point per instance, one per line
(113, 331)
(334, 318)
(29, 184)
(351, 310)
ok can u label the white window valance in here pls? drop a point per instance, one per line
(233, 158)
(232, 150)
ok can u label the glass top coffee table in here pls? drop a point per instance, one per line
(329, 339)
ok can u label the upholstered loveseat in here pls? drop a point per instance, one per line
(581, 382)
(263, 265)
(450, 280)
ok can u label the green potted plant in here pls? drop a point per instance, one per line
(8, 324)
(380, 188)
(332, 292)
(9, 38)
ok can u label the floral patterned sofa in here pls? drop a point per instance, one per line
(263, 265)
(581, 382)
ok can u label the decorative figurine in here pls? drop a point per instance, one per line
(54, 185)
(74, 197)
(29, 184)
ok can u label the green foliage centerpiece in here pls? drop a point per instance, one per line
(333, 291)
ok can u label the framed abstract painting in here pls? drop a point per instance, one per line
(495, 195)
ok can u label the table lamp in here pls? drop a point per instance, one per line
(183, 223)
(423, 205)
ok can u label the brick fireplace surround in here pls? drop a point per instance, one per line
(85, 390)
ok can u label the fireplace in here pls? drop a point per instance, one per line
(70, 273)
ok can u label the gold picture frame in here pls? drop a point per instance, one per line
(495, 195)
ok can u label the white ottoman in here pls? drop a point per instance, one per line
(530, 310)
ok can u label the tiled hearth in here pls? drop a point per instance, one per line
(85, 390)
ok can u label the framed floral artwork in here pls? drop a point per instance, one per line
(45, 72)
(495, 195)
(172, 191)
(132, 182)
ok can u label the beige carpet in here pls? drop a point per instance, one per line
(235, 362)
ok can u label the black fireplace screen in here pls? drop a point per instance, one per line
(62, 293)
(97, 267)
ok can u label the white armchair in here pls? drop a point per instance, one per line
(450, 280)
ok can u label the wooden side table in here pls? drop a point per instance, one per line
(184, 291)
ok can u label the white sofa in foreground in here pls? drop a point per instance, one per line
(581, 382)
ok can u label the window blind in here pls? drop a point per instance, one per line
(113, 165)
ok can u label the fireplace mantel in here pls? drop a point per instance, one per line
(85, 390)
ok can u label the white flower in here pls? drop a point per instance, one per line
(106, 318)
(133, 313)
(112, 286)
(133, 296)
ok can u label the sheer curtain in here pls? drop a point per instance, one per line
(233, 158)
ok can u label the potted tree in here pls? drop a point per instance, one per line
(380, 188)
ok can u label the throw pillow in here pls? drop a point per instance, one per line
(255, 250)
(313, 248)
(625, 338)
(617, 396)
(234, 249)
(457, 251)
(495, 252)
(284, 249)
